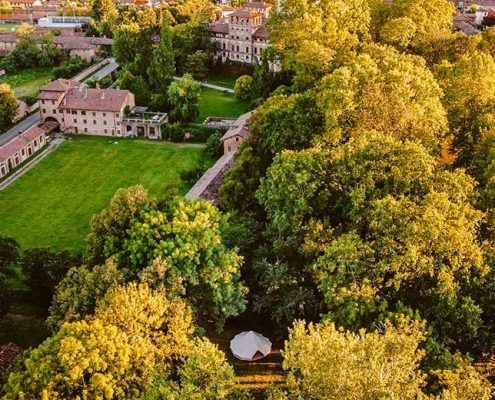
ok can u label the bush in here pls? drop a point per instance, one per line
(214, 146)
(243, 87)
(191, 175)
(69, 68)
(173, 132)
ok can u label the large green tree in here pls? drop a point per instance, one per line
(379, 227)
(470, 109)
(313, 37)
(183, 97)
(8, 105)
(387, 91)
(325, 362)
(162, 67)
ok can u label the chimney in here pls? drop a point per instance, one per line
(103, 95)
(85, 93)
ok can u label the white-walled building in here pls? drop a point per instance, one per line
(240, 34)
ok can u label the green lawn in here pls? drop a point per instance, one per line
(7, 27)
(215, 103)
(51, 205)
(222, 80)
(29, 81)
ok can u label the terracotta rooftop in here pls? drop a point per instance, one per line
(240, 127)
(111, 100)
(245, 14)
(261, 33)
(81, 42)
(8, 353)
(32, 133)
(219, 27)
(60, 85)
(19, 142)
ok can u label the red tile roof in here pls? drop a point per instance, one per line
(111, 100)
(60, 85)
(219, 28)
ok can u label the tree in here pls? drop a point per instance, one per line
(410, 23)
(126, 43)
(204, 375)
(291, 121)
(50, 54)
(243, 87)
(469, 109)
(137, 85)
(313, 37)
(189, 38)
(214, 145)
(327, 363)
(8, 106)
(78, 293)
(366, 94)
(9, 255)
(162, 68)
(183, 96)
(197, 65)
(115, 355)
(182, 248)
(104, 10)
(44, 269)
(108, 228)
(337, 213)
(5, 7)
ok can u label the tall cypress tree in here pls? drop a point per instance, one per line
(162, 68)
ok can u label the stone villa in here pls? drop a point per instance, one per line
(240, 34)
(104, 112)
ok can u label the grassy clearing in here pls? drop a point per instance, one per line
(214, 103)
(51, 205)
(29, 81)
(8, 27)
(222, 80)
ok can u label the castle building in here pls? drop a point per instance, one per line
(240, 34)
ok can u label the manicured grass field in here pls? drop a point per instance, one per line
(222, 80)
(51, 205)
(215, 103)
(29, 81)
(7, 27)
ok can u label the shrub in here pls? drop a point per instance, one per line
(243, 87)
(214, 146)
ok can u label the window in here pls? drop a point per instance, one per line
(117, 115)
(247, 49)
(94, 114)
(42, 101)
(105, 130)
(75, 121)
(22, 152)
(104, 122)
(53, 102)
(85, 121)
(104, 114)
(74, 112)
(44, 110)
(94, 122)
(85, 129)
(83, 112)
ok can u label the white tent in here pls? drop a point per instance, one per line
(250, 346)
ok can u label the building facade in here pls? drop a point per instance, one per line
(102, 112)
(78, 109)
(240, 34)
(236, 134)
(20, 148)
